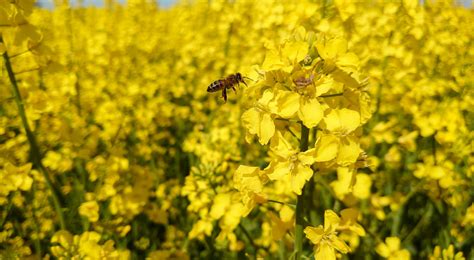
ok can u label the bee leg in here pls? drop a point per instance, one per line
(233, 88)
(244, 83)
(224, 95)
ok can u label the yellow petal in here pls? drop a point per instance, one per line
(315, 234)
(343, 121)
(362, 186)
(393, 243)
(349, 151)
(281, 147)
(267, 129)
(382, 250)
(272, 61)
(348, 62)
(310, 112)
(266, 97)
(323, 85)
(299, 177)
(279, 170)
(331, 220)
(339, 244)
(437, 172)
(295, 51)
(278, 227)
(308, 157)
(287, 103)
(2, 48)
(332, 48)
(349, 221)
(326, 148)
(221, 203)
(405, 255)
(343, 184)
(250, 120)
(247, 178)
(63, 237)
(325, 252)
(259, 123)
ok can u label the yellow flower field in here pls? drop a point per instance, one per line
(272, 129)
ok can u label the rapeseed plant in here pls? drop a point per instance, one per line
(353, 138)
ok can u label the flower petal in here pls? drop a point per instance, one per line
(326, 148)
(326, 252)
(315, 234)
(339, 244)
(342, 120)
(287, 103)
(281, 147)
(349, 151)
(299, 177)
(308, 157)
(279, 170)
(310, 112)
(331, 220)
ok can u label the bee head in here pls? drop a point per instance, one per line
(239, 77)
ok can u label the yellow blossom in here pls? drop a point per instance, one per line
(290, 162)
(391, 249)
(90, 210)
(325, 238)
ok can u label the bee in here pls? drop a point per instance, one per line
(227, 83)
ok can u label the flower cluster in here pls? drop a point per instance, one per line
(352, 136)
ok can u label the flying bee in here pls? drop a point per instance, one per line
(227, 83)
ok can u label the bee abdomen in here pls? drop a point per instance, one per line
(215, 86)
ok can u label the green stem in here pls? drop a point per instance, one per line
(34, 148)
(332, 95)
(423, 221)
(300, 201)
(249, 237)
(433, 148)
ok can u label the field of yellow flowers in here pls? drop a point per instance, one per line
(351, 135)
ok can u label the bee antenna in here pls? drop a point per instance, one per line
(247, 78)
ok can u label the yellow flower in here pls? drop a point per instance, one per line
(283, 223)
(391, 249)
(446, 254)
(290, 161)
(201, 228)
(90, 210)
(284, 59)
(361, 189)
(334, 53)
(14, 178)
(84, 246)
(310, 111)
(349, 221)
(258, 119)
(345, 181)
(469, 216)
(339, 143)
(325, 238)
(249, 181)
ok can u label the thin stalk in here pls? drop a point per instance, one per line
(311, 189)
(249, 237)
(433, 148)
(282, 250)
(423, 221)
(300, 201)
(332, 95)
(34, 148)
